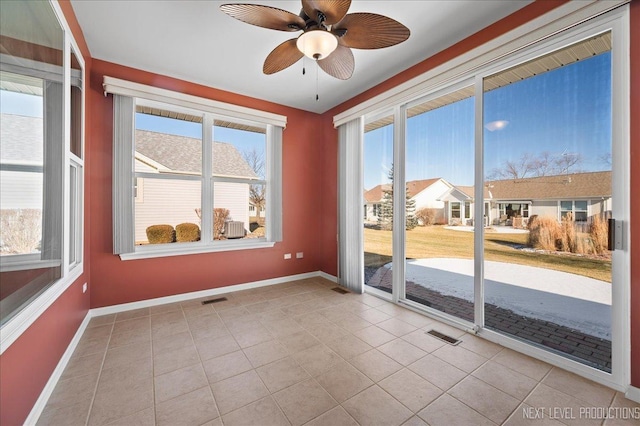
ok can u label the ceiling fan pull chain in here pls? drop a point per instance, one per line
(317, 72)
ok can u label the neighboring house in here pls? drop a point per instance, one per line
(21, 183)
(21, 162)
(255, 211)
(173, 201)
(513, 201)
(459, 205)
(425, 193)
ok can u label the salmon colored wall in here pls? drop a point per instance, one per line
(635, 190)
(115, 281)
(25, 367)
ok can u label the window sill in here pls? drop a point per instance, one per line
(181, 249)
(23, 262)
(14, 327)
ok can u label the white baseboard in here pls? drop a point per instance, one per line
(204, 293)
(36, 411)
(633, 394)
(327, 276)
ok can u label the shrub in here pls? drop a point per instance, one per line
(187, 232)
(544, 232)
(161, 234)
(599, 232)
(583, 245)
(426, 216)
(568, 236)
(20, 230)
(219, 218)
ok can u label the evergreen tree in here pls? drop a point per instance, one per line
(385, 215)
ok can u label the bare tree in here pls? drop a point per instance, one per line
(543, 164)
(518, 169)
(257, 193)
(564, 162)
(605, 159)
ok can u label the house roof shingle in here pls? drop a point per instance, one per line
(575, 185)
(184, 154)
(414, 187)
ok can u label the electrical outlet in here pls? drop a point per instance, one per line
(299, 255)
(287, 255)
(84, 288)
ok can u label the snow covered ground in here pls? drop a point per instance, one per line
(574, 301)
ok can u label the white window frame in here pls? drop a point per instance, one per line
(210, 111)
(19, 323)
(573, 208)
(567, 24)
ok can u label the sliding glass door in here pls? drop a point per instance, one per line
(547, 156)
(504, 185)
(439, 197)
(378, 202)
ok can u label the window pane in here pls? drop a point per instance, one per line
(440, 175)
(76, 105)
(378, 201)
(235, 216)
(22, 159)
(548, 138)
(73, 205)
(455, 210)
(166, 202)
(167, 142)
(31, 154)
(239, 154)
(581, 206)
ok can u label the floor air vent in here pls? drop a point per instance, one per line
(219, 299)
(340, 290)
(450, 340)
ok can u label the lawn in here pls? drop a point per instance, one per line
(437, 241)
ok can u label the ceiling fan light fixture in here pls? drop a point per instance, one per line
(317, 44)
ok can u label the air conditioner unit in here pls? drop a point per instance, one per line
(234, 230)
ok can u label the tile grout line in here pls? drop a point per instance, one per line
(104, 357)
(215, 403)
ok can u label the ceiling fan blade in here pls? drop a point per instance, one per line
(283, 56)
(333, 10)
(339, 64)
(264, 16)
(370, 31)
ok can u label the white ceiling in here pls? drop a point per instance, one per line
(195, 41)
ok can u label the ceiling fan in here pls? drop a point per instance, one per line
(328, 33)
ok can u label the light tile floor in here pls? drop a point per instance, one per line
(299, 353)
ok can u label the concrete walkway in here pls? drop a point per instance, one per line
(564, 312)
(496, 228)
(570, 300)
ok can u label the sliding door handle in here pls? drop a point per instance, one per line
(614, 239)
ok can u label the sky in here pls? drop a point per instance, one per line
(20, 104)
(564, 111)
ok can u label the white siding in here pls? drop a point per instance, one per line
(428, 198)
(172, 202)
(235, 198)
(144, 168)
(544, 208)
(166, 201)
(20, 190)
